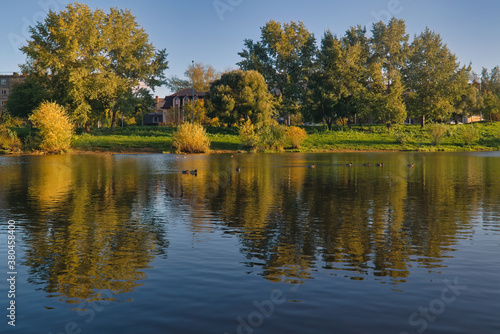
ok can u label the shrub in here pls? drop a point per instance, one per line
(248, 135)
(9, 142)
(55, 127)
(296, 136)
(191, 138)
(402, 138)
(469, 134)
(437, 132)
(272, 137)
(400, 135)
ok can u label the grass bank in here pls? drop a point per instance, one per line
(366, 138)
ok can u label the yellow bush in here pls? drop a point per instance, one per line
(296, 136)
(55, 127)
(248, 135)
(191, 138)
(9, 142)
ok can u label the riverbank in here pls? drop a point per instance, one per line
(362, 139)
(372, 138)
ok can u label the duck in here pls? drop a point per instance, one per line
(238, 169)
(185, 171)
(193, 172)
(380, 164)
(349, 164)
(367, 164)
(311, 166)
(411, 165)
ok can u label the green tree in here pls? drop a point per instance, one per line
(468, 103)
(88, 60)
(339, 84)
(491, 105)
(327, 84)
(241, 95)
(201, 74)
(284, 56)
(490, 92)
(389, 45)
(433, 77)
(24, 97)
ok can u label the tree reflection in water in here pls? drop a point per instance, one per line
(97, 222)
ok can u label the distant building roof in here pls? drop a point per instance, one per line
(187, 92)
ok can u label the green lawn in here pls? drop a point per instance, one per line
(366, 138)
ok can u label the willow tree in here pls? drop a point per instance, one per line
(90, 60)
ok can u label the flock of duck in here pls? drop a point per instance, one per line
(195, 171)
(411, 165)
(238, 169)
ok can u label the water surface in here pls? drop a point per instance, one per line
(129, 244)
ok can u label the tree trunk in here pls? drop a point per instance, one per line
(328, 123)
(87, 127)
(422, 119)
(113, 120)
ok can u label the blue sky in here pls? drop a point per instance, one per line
(212, 31)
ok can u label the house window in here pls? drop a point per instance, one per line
(177, 102)
(186, 100)
(2, 103)
(3, 81)
(4, 92)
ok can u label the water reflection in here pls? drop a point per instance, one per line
(84, 233)
(363, 222)
(96, 222)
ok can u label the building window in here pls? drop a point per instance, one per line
(2, 103)
(3, 81)
(4, 92)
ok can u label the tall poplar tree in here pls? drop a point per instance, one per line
(90, 60)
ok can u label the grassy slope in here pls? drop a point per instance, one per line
(368, 138)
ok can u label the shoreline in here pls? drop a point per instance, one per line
(147, 150)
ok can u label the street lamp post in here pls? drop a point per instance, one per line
(192, 79)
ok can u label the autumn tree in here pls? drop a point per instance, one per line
(201, 74)
(284, 56)
(88, 60)
(241, 95)
(433, 77)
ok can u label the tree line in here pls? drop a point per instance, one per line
(384, 77)
(94, 62)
